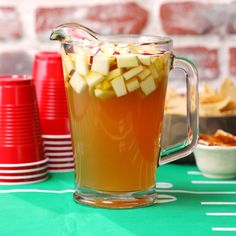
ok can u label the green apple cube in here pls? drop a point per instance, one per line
(78, 83)
(118, 84)
(68, 64)
(159, 64)
(106, 84)
(132, 72)
(145, 59)
(124, 61)
(115, 73)
(104, 94)
(94, 78)
(81, 63)
(108, 49)
(145, 73)
(132, 85)
(148, 85)
(153, 70)
(101, 64)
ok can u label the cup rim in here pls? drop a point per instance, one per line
(22, 176)
(15, 79)
(24, 170)
(67, 159)
(55, 154)
(61, 165)
(52, 148)
(25, 164)
(60, 136)
(58, 170)
(25, 182)
(57, 143)
(48, 55)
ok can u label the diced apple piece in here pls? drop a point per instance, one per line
(122, 49)
(144, 74)
(106, 84)
(69, 65)
(132, 85)
(145, 59)
(148, 85)
(127, 61)
(132, 72)
(94, 78)
(65, 62)
(98, 86)
(91, 91)
(151, 49)
(108, 49)
(118, 84)
(104, 94)
(115, 73)
(101, 64)
(78, 83)
(154, 71)
(66, 75)
(81, 63)
(159, 63)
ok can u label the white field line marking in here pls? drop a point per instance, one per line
(194, 173)
(164, 191)
(37, 191)
(223, 229)
(165, 198)
(192, 192)
(218, 203)
(212, 182)
(221, 214)
(164, 185)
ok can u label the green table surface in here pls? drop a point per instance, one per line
(189, 204)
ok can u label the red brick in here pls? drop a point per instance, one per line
(232, 61)
(206, 60)
(186, 18)
(10, 24)
(18, 62)
(108, 18)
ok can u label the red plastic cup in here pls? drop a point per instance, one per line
(39, 172)
(24, 166)
(20, 136)
(50, 91)
(23, 180)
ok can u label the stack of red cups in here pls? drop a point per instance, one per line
(22, 159)
(50, 91)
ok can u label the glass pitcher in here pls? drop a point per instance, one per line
(116, 87)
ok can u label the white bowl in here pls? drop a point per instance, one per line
(216, 161)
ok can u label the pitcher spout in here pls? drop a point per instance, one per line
(71, 32)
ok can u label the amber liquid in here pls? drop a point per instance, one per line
(116, 141)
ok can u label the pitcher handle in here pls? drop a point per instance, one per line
(180, 150)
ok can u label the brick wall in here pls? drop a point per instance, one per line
(204, 31)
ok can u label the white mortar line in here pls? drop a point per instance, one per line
(194, 173)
